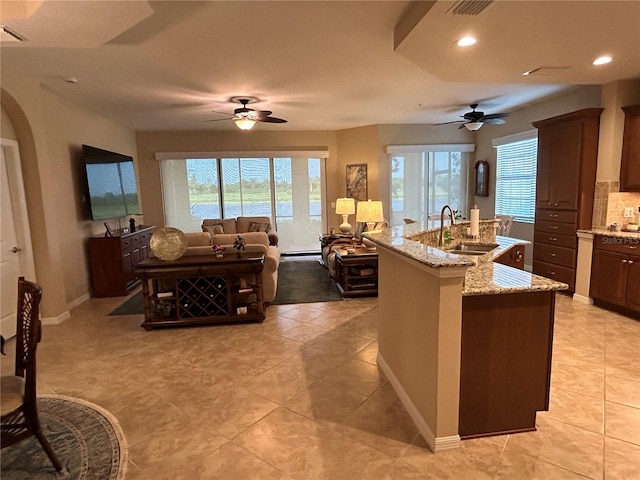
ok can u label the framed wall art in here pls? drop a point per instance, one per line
(357, 182)
(482, 179)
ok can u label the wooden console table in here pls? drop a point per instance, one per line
(201, 289)
(113, 259)
(357, 272)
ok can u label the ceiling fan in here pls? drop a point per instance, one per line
(245, 118)
(473, 120)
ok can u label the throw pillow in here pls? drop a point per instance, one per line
(214, 229)
(259, 227)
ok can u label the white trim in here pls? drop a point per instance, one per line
(315, 152)
(582, 299)
(435, 444)
(81, 299)
(459, 147)
(516, 137)
(56, 320)
(583, 234)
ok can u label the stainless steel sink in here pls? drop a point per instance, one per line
(472, 248)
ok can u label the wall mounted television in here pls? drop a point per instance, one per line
(111, 179)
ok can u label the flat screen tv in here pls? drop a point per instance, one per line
(112, 183)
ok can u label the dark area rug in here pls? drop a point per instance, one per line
(299, 281)
(304, 281)
(133, 306)
(87, 440)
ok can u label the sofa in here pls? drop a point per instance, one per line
(216, 226)
(200, 243)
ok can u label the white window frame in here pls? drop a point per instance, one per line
(516, 163)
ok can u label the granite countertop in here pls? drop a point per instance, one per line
(608, 233)
(482, 277)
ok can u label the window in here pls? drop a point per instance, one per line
(287, 189)
(424, 178)
(516, 175)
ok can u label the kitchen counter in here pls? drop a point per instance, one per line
(464, 341)
(482, 277)
(609, 233)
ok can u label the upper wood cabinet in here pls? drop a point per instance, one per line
(567, 159)
(630, 163)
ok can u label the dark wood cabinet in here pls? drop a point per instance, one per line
(514, 257)
(113, 259)
(565, 186)
(630, 163)
(615, 271)
(505, 362)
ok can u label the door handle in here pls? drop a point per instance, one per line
(624, 261)
(16, 249)
(630, 262)
(552, 254)
(553, 239)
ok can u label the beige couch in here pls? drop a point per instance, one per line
(217, 226)
(200, 243)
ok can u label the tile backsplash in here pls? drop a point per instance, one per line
(609, 204)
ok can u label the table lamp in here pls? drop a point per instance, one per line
(345, 207)
(369, 212)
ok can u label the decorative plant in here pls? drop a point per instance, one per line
(239, 243)
(218, 248)
(457, 214)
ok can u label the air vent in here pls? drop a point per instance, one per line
(470, 7)
(8, 35)
(544, 71)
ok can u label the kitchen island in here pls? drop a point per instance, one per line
(464, 341)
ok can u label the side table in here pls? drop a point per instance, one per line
(357, 272)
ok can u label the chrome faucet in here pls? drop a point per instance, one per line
(453, 222)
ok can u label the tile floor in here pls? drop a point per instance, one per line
(300, 397)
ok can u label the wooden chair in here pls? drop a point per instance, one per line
(18, 403)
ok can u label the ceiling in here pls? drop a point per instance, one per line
(165, 65)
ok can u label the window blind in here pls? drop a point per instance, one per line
(516, 179)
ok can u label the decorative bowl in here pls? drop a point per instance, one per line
(168, 243)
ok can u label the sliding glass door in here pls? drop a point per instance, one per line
(288, 190)
(422, 182)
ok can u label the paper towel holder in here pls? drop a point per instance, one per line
(482, 178)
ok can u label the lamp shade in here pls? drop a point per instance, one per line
(370, 212)
(473, 126)
(245, 123)
(345, 206)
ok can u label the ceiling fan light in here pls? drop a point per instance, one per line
(466, 41)
(245, 123)
(473, 126)
(603, 60)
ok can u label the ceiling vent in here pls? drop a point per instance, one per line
(544, 71)
(470, 7)
(8, 35)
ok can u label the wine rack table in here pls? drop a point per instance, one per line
(201, 289)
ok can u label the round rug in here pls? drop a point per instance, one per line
(87, 440)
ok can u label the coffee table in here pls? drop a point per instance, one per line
(357, 272)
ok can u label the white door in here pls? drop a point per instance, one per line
(15, 245)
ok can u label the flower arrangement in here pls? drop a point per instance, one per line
(218, 250)
(239, 243)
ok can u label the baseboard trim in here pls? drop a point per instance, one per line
(56, 320)
(81, 299)
(582, 299)
(435, 444)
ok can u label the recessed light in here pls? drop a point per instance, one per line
(603, 60)
(466, 41)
